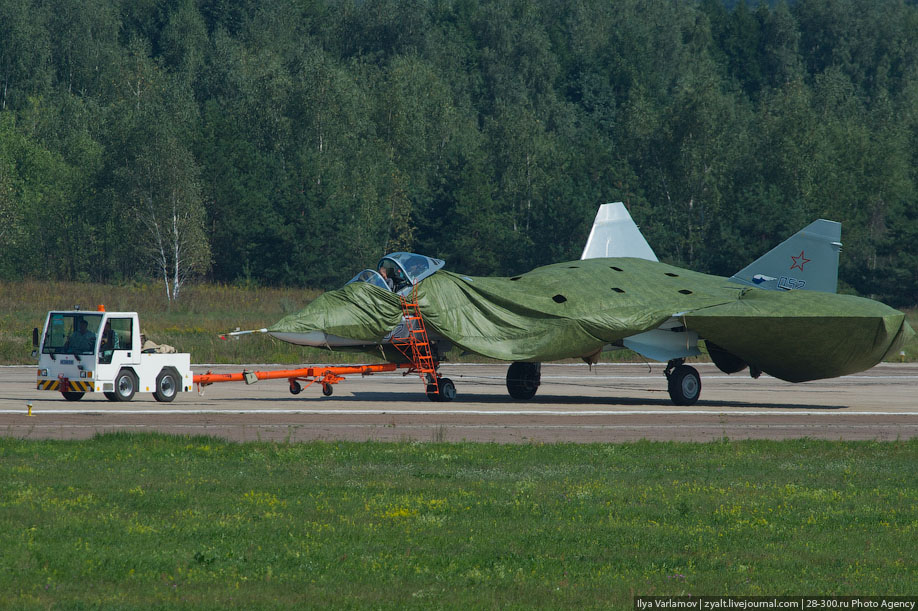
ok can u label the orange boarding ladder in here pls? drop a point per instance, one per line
(422, 360)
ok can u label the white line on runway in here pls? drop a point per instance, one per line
(591, 427)
(461, 412)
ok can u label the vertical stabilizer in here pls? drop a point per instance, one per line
(807, 260)
(614, 234)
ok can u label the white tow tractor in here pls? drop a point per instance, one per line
(85, 351)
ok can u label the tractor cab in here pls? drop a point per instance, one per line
(71, 333)
(399, 271)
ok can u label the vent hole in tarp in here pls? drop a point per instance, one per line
(572, 267)
(672, 275)
(516, 277)
(618, 269)
(618, 290)
(686, 292)
(559, 298)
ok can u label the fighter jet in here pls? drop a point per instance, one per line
(779, 315)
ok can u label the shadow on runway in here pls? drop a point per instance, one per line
(418, 398)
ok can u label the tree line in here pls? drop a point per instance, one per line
(289, 142)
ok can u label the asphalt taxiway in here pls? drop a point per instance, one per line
(575, 403)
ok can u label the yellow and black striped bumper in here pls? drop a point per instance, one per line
(75, 385)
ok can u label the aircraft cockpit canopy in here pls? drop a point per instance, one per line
(399, 271)
(407, 268)
(368, 275)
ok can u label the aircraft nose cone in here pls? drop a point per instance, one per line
(359, 312)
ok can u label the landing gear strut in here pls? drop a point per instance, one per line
(684, 383)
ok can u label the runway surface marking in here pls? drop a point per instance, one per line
(464, 426)
(459, 412)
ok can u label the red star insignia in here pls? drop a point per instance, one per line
(799, 261)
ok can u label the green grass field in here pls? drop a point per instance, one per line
(196, 321)
(125, 521)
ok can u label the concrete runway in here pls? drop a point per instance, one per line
(611, 402)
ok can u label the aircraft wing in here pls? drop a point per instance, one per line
(802, 335)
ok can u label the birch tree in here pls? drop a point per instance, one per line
(155, 173)
(168, 202)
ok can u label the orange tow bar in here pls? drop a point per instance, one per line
(324, 375)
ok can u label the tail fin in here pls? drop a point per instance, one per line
(614, 234)
(807, 260)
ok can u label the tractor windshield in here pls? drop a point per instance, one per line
(71, 333)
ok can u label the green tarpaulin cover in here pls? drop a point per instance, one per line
(573, 309)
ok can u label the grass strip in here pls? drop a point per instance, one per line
(126, 521)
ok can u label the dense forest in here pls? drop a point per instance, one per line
(293, 142)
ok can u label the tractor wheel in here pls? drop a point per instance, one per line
(125, 385)
(167, 385)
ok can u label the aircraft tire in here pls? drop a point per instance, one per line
(432, 393)
(684, 385)
(125, 385)
(523, 380)
(73, 396)
(167, 385)
(447, 390)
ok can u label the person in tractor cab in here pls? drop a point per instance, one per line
(82, 340)
(110, 340)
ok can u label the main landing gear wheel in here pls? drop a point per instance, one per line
(684, 385)
(73, 396)
(523, 380)
(444, 391)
